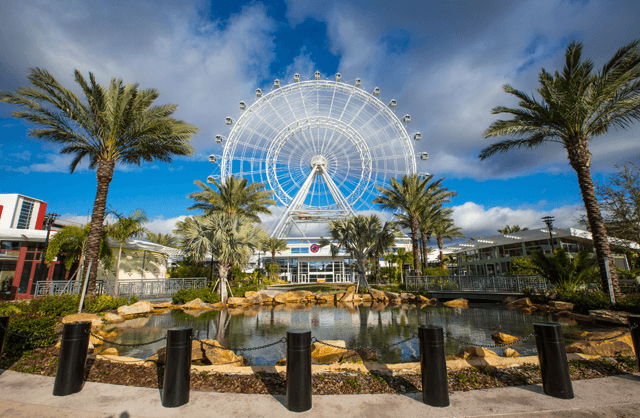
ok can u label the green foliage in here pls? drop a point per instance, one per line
(565, 273)
(535, 297)
(586, 301)
(54, 306)
(436, 271)
(104, 303)
(523, 265)
(238, 274)
(186, 270)
(16, 308)
(629, 303)
(205, 295)
(35, 325)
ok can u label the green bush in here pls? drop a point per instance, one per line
(534, 296)
(523, 265)
(584, 302)
(629, 303)
(436, 271)
(33, 325)
(104, 303)
(190, 270)
(55, 306)
(205, 295)
(15, 308)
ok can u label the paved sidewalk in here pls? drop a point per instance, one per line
(23, 395)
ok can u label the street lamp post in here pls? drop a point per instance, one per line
(549, 221)
(49, 219)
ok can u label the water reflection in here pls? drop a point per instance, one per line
(359, 326)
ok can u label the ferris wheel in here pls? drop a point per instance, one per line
(322, 146)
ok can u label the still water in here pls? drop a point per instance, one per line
(359, 326)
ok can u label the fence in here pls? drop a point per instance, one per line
(146, 289)
(486, 284)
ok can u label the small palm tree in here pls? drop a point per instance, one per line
(126, 228)
(403, 257)
(117, 124)
(274, 246)
(235, 196)
(576, 106)
(385, 240)
(167, 240)
(443, 229)
(565, 273)
(71, 241)
(511, 229)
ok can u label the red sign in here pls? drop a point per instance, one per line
(314, 248)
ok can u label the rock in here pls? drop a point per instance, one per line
(510, 352)
(579, 317)
(113, 318)
(160, 305)
(96, 321)
(616, 346)
(509, 299)
(366, 297)
(473, 352)
(197, 351)
(610, 316)
(392, 296)
(561, 306)
(219, 306)
(235, 301)
(254, 298)
(368, 354)
(111, 351)
(266, 299)
(321, 353)
(520, 303)
(280, 298)
(378, 295)
(197, 305)
(134, 323)
(137, 308)
(527, 311)
(348, 296)
(407, 296)
(351, 356)
(501, 338)
(220, 355)
(95, 341)
(159, 356)
(457, 303)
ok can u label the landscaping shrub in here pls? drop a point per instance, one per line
(190, 270)
(436, 271)
(104, 303)
(584, 302)
(54, 306)
(534, 296)
(35, 325)
(629, 303)
(205, 295)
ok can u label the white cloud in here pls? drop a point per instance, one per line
(164, 225)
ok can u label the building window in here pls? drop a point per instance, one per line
(25, 215)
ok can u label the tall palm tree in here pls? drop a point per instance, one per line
(234, 196)
(116, 124)
(275, 246)
(403, 256)
(443, 229)
(167, 240)
(511, 229)
(576, 106)
(71, 241)
(426, 219)
(125, 228)
(411, 195)
(384, 241)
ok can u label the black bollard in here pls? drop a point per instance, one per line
(73, 356)
(177, 369)
(554, 368)
(298, 371)
(4, 326)
(433, 366)
(634, 329)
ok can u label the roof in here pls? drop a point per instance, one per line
(527, 236)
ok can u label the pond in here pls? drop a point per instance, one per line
(359, 326)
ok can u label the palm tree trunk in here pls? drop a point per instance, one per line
(223, 269)
(115, 284)
(425, 254)
(273, 263)
(580, 160)
(104, 175)
(441, 256)
(414, 243)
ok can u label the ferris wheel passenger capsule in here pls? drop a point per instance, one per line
(243, 106)
(406, 119)
(317, 75)
(213, 159)
(393, 103)
(338, 76)
(376, 91)
(258, 93)
(210, 179)
(296, 77)
(424, 156)
(276, 83)
(417, 136)
(358, 81)
(219, 139)
(228, 120)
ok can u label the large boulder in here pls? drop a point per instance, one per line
(280, 298)
(609, 316)
(161, 305)
(111, 351)
(197, 305)
(520, 303)
(501, 338)
(580, 317)
(266, 299)
(95, 320)
(366, 297)
(321, 353)
(378, 295)
(561, 306)
(616, 346)
(510, 352)
(235, 301)
(113, 318)
(348, 296)
(159, 357)
(457, 303)
(473, 353)
(138, 308)
(254, 298)
(216, 354)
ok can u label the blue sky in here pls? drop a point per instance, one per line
(443, 61)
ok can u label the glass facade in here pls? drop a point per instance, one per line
(25, 215)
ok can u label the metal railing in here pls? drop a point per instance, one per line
(484, 284)
(146, 289)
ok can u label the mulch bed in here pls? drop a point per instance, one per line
(44, 362)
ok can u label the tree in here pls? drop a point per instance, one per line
(273, 245)
(523, 265)
(384, 241)
(564, 272)
(126, 228)
(167, 240)
(403, 256)
(230, 240)
(71, 241)
(511, 229)
(116, 124)
(411, 195)
(576, 106)
(442, 229)
(235, 196)
(358, 235)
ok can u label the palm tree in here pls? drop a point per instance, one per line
(71, 241)
(385, 240)
(234, 196)
(443, 229)
(426, 219)
(511, 229)
(401, 258)
(273, 245)
(126, 228)
(576, 106)
(564, 272)
(411, 195)
(167, 240)
(117, 124)
(228, 239)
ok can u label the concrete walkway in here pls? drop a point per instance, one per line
(23, 395)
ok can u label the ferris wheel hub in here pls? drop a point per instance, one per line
(319, 160)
